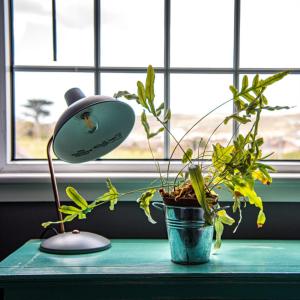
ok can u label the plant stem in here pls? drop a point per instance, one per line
(156, 162)
(190, 129)
(214, 131)
(177, 144)
(135, 191)
(196, 123)
(198, 153)
(174, 138)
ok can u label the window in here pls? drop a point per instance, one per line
(198, 48)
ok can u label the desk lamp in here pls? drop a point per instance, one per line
(90, 128)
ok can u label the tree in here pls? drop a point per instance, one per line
(37, 108)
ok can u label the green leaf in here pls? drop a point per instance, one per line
(150, 84)
(273, 108)
(262, 175)
(81, 216)
(240, 104)
(221, 156)
(167, 115)
(69, 210)
(224, 217)
(144, 201)
(238, 118)
(243, 120)
(142, 94)
(255, 80)
(259, 142)
(103, 198)
(153, 134)
(245, 82)
(233, 90)
(247, 96)
(46, 224)
(268, 167)
(236, 204)
(261, 219)
(264, 99)
(126, 95)
(199, 189)
(219, 228)
(247, 190)
(159, 109)
(272, 79)
(76, 197)
(114, 195)
(145, 123)
(68, 218)
(187, 156)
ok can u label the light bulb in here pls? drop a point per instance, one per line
(90, 123)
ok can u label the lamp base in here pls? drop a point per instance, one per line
(75, 242)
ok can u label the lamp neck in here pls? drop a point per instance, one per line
(54, 185)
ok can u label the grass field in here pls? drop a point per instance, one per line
(281, 137)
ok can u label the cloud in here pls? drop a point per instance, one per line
(73, 14)
(33, 7)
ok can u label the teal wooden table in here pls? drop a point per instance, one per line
(141, 269)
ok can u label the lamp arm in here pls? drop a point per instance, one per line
(54, 185)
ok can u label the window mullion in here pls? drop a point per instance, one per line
(236, 56)
(97, 32)
(167, 34)
(11, 149)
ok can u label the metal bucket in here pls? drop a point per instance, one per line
(189, 237)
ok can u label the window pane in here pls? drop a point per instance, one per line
(135, 146)
(34, 128)
(192, 96)
(132, 33)
(269, 33)
(281, 129)
(202, 33)
(33, 32)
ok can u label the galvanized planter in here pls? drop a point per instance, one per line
(189, 237)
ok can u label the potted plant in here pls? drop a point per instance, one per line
(190, 201)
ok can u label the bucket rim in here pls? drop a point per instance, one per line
(183, 207)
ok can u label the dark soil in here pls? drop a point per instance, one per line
(185, 196)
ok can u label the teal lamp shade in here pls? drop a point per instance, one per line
(91, 127)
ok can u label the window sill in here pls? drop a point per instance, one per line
(36, 187)
(120, 171)
(92, 177)
(77, 177)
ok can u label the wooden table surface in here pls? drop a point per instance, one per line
(141, 269)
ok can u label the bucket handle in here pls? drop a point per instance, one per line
(158, 205)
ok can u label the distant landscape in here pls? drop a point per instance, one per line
(281, 135)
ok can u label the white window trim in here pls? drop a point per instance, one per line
(37, 171)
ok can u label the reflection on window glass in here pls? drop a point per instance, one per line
(33, 32)
(135, 146)
(132, 33)
(279, 47)
(202, 33)
(281, 129)
(39, 102)
(193, 96)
